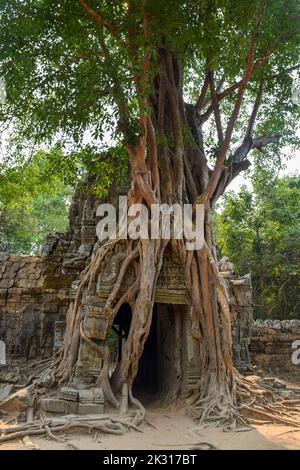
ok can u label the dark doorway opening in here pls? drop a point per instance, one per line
(119, 333)
(161, 366)
(146, 384)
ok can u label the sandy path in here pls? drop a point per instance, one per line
(174, 430)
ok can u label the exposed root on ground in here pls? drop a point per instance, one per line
(250, 403)
(110, 424)
(253, 403)
(260, 404)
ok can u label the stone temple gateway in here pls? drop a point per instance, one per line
(163, 363)
(37, 292)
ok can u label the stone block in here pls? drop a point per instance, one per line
(51, 308)
(6, 283)
(53, 405)
(98, 395)
(71, 407)
(14, 293)
(3, 293)
(90, 409)
(86, 396)
(4, 256)
(70, 394)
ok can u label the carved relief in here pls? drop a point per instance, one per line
(96, 321)
(170, 286)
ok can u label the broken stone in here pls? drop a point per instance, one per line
(279, 383)
(286, 394)
(225, 265)
(46, 379)
(8, 377)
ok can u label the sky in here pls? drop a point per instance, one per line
(291, 166)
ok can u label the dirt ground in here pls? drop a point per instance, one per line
(170, 429)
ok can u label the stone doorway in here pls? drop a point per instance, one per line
(162, 370)
(162, 373)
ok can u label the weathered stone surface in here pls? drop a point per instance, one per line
(69, 394)
(90, 409)
(240, 298)
(53, 405)
(35, 291)
(58, 406)
(271, 346)
(86, 396)
(46, 379)
(92, 395)
(5, 391)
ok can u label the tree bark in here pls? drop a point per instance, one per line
(168, 166)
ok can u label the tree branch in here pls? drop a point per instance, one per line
(253, 116)
(220, 97)
(207, 100)
(210, 189)
(260, 142)
(249, 144)
(232, 88)
(215, 105)
(201, 100)
(99, 18)
(238, 162)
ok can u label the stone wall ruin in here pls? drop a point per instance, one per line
(271, 347)
(35, 292)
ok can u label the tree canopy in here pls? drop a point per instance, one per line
(260, 232)
(70, 66)
(33, 202)
(36, 191)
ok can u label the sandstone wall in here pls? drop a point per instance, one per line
(240, 298)
(33, 302)
(271, 346)
(35, 291)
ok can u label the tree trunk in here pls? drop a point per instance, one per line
(175, 170)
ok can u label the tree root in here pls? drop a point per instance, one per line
(50, 427)
(251, 403)
(118, 424)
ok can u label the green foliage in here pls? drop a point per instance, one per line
(109, 167)
(35, 191)
(33, 202)
(260, 232)
(65, 74)
(59, 82)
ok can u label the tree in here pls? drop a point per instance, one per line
(132, 67)
(259, 231)
(33, 202)
(35, 191)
